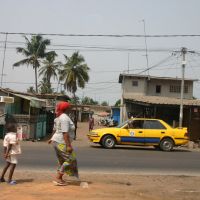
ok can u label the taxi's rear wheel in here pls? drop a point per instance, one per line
(108, 142)
(166, 144)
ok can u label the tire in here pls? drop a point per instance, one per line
(108, 142)
(166, 144)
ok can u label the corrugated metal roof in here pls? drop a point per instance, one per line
(153, 77)
(34, 102)
(161, 100)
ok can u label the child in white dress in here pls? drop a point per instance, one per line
(11, 150)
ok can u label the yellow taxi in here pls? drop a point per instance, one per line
(143, 132)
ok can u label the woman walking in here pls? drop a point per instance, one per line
(62, 141)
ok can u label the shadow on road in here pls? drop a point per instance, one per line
(25, 181)
(140, 148)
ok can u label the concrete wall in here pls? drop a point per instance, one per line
(148, 87)
(165, 88)
(128, 87)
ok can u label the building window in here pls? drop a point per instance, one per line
(186, 89)
(177, 88)
(135, 83)
(158, 89)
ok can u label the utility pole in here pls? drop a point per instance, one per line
(183, 51)
(4, 55)
(122, 100)
(128, 62)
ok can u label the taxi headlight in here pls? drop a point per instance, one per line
(94, 134)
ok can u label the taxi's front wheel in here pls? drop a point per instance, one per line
(108, 142)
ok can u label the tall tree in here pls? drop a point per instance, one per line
(74, 74)
(50, 68)
(34, 51)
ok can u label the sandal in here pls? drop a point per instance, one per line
(12, 182)
(58, 183)
(2, 180)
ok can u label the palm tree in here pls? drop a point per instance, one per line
(74, 74)
(50, 68)
(34, 52)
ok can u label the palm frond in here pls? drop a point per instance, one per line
(22, 62)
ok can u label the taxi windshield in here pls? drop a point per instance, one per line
(122, 124)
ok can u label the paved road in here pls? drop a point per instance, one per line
(40, 156)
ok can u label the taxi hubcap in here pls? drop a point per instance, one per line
(109, 142)
(167, 145)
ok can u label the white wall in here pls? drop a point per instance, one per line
(148, 87)
(165, 86)
(127, 87)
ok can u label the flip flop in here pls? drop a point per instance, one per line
(12, 182)
(59, 183)
(2, 180)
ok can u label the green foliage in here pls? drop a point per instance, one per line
(118, 103)
(89, 101)
(104, 103)
(75, 100)
(45, 87)
(31, 90)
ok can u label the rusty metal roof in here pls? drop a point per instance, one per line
(161, 100)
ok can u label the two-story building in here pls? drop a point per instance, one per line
(159, 97)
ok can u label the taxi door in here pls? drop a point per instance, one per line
(133, 135)
(153, 132)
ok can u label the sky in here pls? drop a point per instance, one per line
(106, 57)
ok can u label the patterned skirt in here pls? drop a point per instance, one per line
(67, 161)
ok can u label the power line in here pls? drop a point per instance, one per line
(105, 48)
(97, 48)
(164, 60)
(102, 35)
(16, 82)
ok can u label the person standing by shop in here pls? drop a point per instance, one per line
(62, 141)
(91, 123)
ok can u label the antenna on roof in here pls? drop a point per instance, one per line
(128, 62)
(145, 39)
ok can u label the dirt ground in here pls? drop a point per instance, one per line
(36, 185)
